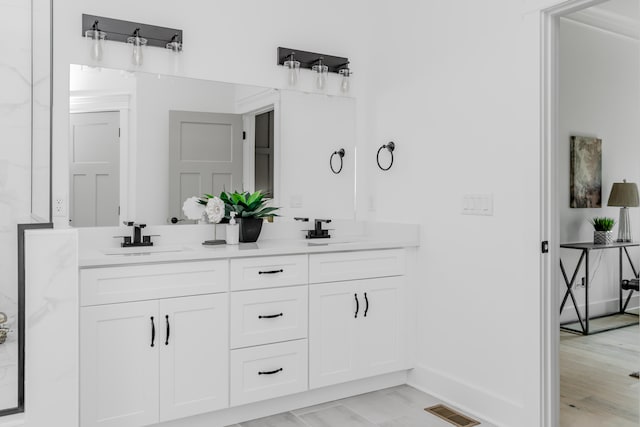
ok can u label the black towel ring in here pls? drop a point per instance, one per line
(340, 153)
(390, 146)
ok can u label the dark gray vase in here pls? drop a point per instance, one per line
(250, 229)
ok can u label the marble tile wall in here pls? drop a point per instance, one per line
(15, 169)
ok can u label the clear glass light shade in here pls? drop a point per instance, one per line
(293, 72)
(345, 81)
(96, 38)
(175, 46)
(321, 77)
(138, 44)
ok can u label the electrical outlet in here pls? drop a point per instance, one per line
(59, 206)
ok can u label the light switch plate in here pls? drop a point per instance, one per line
(477, 204)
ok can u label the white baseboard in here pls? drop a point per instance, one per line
(288, 403)
(498, 410)
(597, 308)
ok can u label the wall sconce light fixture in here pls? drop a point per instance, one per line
(97, 38)
(175, 45)
(320, 63)
(138, 44)
(129, 32)
(322, 71)
(345, 84)
(293, 69)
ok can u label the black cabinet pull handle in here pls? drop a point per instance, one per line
(270, 372)
(366, 307)
(153, 332)
(357, 305)
(168, 330)
(271, 271)
(270, 316)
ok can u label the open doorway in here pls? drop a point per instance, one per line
(593, 65)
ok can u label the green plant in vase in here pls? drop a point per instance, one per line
(602, 226)
(250, 209)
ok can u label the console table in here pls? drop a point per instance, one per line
(586, 248)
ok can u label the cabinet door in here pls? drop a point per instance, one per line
(119, 364)
(382, 333)
(333, 333)
(194, 356)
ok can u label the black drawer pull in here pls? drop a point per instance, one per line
(271, 316)
(153, 332)
(270, 372)
(168, 330)
(366, 307)
(271, 271)
(357, 305)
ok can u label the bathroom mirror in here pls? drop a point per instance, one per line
(141, 143)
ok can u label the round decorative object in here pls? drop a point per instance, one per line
(250, 229)
(602, 237)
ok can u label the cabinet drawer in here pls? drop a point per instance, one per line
(141, 282)
(269, 272)
(333, 267)
(268, 315)
(267, 371)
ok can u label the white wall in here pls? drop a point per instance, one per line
(457, 89)
(600, 97)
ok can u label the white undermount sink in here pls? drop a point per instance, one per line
(142, 250)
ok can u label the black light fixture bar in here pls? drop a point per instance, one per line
(118, 30)
(309, 59)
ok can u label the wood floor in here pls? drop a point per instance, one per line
(595, 387)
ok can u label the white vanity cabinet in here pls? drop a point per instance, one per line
(357, 328)
(144, 362)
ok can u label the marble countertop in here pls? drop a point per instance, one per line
(194, 252)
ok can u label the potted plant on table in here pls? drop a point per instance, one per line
(602, 234)
(251, 209)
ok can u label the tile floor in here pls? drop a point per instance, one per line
(401, 406)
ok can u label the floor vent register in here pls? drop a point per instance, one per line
(455, 418)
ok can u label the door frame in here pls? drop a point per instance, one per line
(250, 107)
(83, 102)
(550, 218)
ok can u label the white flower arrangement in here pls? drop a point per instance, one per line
(215, 209)
(192, 208)
(204, 208)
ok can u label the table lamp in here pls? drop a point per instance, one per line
(625, 195)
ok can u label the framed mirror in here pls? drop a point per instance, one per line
(141, 143)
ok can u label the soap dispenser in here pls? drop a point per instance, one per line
(233, 230)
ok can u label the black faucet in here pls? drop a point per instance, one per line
(138, 238)
(318, 232)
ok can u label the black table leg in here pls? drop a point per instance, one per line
(569, 292)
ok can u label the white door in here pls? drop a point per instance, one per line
(194, 355)
(119, 363)
(94, 169)
(205, 155)
(333, 333)
(383, 332)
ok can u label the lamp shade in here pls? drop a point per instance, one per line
(624, 194)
